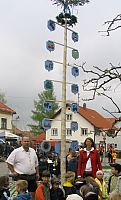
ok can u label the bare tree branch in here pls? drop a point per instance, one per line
(112, 24)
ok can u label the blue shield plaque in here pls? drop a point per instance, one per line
(47, 105)
(46, 123)
(50, 45)
(74, 88)
(48, 65)
(48, 85)
(75, 71)
(51, 25)
(74, 126)
(75, 54)
(74, 107)
(75, 37)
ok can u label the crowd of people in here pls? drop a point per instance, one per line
(38, 179)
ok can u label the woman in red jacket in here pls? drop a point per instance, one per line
(89, 159)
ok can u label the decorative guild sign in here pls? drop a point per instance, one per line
(46, 123)
(47, 105)
(74, 107)
(51, 25)
(74, 88)
(48, 85)
(74, 126)
(48, 65)
(75, 71)
(75, 54)
(50, 45)
(75, 37)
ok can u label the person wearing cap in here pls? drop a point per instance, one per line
(56, 193)
(102, 184)
(89, 159)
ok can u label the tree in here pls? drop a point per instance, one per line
(39, 113)
(100, 82)
(113, 24)
(2, 97)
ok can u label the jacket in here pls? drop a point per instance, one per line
(103, 188)
(25, 196)
(56, 194)
(95, 162)
(69, 188)
(42, 192)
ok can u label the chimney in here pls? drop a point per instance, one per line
(84, 105)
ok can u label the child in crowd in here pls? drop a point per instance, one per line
(114, 156)
(79, 182)
(43, 189)
(4, 190)
(56, 193)
(68, 185)
(102, 185)
(90, 181)
(21, 188)
(87, 193)
(116, 171)
(116, 193)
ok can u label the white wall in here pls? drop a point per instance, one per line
(82, 123)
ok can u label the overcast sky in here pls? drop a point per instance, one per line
(23, 36)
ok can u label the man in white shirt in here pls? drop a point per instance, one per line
(23, 164)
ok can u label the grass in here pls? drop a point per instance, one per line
(106, 167)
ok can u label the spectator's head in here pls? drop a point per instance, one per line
(116, 168)
(4, 182)
(79, 182)
(70, 176)
(89, 142)
(99, 174)
(85, 189)
(45, 177)
(55, 183)
(91, 196)
(21, 186)
(25, 143)
(74, 197)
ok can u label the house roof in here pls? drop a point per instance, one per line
(93, 117)
(6, 109)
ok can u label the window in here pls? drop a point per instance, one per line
(84, 131)
(54, 131)
(68, 132)
(69, 117)
(3, 123)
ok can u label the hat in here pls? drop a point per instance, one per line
(99, 172)
(74, 197)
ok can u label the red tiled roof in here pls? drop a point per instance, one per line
(6, 109)
(95, 118)
(41, 136)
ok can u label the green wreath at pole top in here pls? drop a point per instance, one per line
(70, 2)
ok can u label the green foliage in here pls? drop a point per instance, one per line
(39, 113)
(70, 2)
